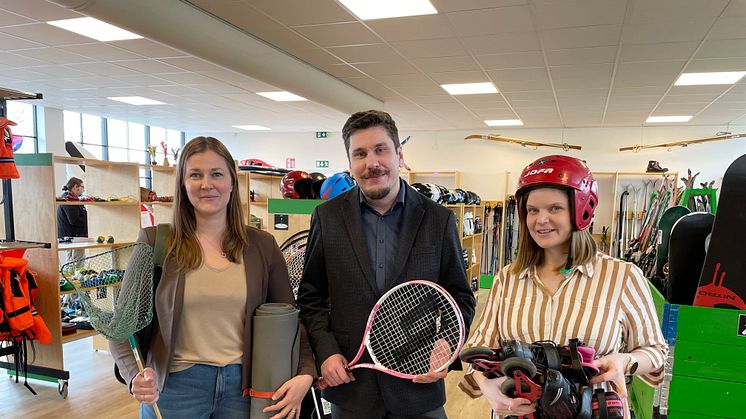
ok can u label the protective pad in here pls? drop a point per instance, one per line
(275, 354)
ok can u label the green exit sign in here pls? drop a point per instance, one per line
(321, 134)
(322, 163)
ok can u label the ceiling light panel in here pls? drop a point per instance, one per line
(469, 88)
(136, 100)
(700, 79)
(95, 29)
(282, 96)
(672, 118)
(385, 9)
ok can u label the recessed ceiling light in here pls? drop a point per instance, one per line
(94, 28)
(282, 96)
(503, 122)
(384, 9)
(675, 118)
(469, 88)
(252, 127)
(699, 79)
(136, 100)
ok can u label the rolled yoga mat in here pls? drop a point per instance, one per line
(276, 346)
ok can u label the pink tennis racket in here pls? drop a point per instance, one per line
(414, 328)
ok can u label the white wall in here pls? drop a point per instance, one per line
(483, 164)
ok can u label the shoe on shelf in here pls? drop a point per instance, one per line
(655, 167)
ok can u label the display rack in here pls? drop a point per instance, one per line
(35, 246)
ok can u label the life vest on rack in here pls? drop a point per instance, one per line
(18, 287)
(8, 169)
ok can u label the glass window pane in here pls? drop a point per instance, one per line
(91, 130)
(174, 141)
(136, 143)
(118, 154)
(71, 122)
(158, 136)
(117, 133)
(23, 115)
(27, 146)
(96, 150)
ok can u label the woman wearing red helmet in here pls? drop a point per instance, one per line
(561, 287)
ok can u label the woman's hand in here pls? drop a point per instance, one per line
(290, 396)
(145, 387)
(612, 368)
(502, 404)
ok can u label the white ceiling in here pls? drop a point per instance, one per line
(557, 63)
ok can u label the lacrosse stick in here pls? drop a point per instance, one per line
(118, 301)
(294, 252)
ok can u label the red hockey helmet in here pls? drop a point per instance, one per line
(287, 184)
(569, 172)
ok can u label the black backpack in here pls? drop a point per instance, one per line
(145, 335)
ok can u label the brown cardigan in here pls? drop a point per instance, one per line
(267, 281)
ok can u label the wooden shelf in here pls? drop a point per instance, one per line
(92, 162)
(80, 334)
(262, 203)
(117, 285)
(90, 245)
(157, 203)
(99, 203)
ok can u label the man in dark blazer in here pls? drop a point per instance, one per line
(361, 244)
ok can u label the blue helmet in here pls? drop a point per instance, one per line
(335, 185)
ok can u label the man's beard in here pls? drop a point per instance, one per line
(377, 194)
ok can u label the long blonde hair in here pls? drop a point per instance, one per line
(582, 246)
(183, 245)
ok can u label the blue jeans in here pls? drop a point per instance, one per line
(202, 392)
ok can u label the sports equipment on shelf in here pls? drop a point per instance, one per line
(294, 252)
(335, 185)
(414, 328)
(686, 256)
(296, 185)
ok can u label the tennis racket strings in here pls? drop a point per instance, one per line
(415, 330)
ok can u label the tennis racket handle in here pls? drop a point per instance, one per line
(322, 384)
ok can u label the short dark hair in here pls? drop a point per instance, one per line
(369, 119)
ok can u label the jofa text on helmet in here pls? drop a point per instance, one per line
(538, 171)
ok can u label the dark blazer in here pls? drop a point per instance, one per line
(267, 282)
(72, 220)
(338, 290)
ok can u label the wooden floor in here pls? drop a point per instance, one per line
(94, 393)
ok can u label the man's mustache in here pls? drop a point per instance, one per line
(375, 172)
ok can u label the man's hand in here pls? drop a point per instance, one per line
(334, 371)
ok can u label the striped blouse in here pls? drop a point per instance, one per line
(606, 304)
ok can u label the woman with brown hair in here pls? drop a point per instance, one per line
(216, 273)
(560, 287)
(72, 220)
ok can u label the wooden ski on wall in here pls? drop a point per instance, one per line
(683, 143)
(525, 143)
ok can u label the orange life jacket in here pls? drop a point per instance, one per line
(8, 169)
(19, 286)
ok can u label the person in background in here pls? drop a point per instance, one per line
(560, 287)
(72, 220)
(362, 243)
(217, 271)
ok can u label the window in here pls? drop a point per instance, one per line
(116, 131)
(24, 116)
(92, 138)
(71, 122)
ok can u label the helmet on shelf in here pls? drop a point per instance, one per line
(567, 172)
(318, 180)
(335, 185)
(296, 185)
